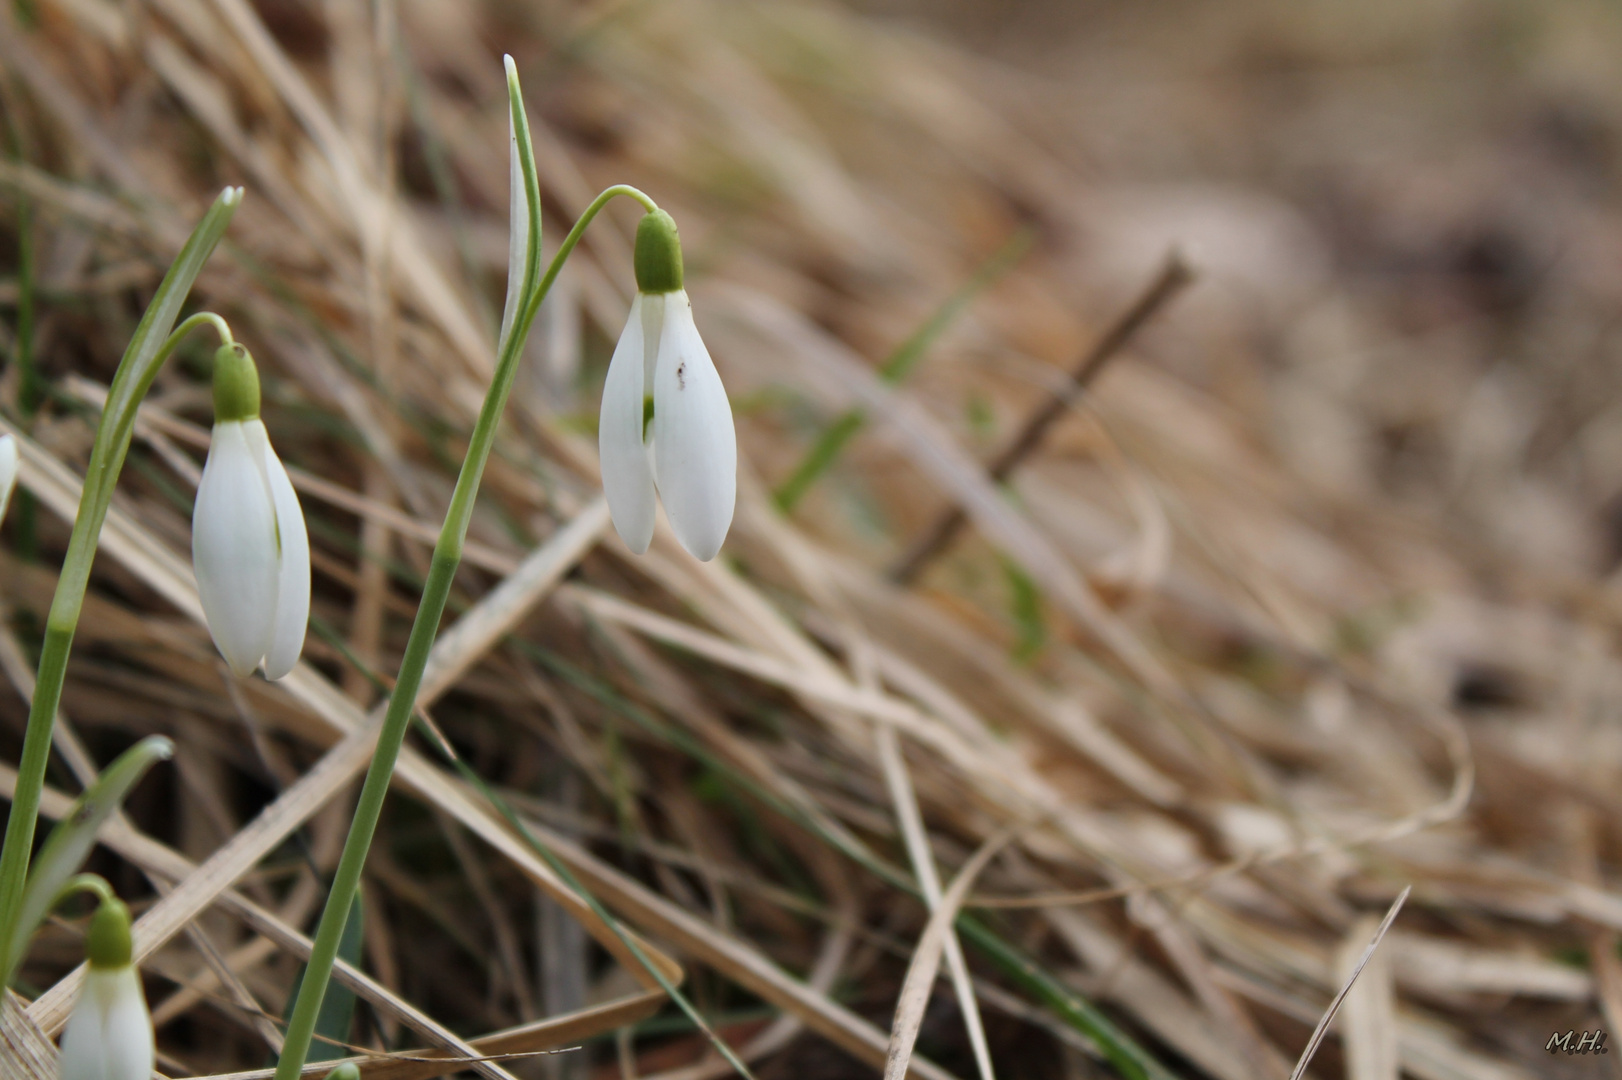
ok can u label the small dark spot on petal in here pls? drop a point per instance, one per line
(681, 376)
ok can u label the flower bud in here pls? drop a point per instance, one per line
(109, 1035)
(687, 454)
(250, 548)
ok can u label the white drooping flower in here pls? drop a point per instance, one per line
(687, 454)
(8, 471)
(109, 1034)
(250, 549)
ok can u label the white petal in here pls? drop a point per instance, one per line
(696, 447)
(293, 573)
(83, 1054)
(233, 544)
(109, 1034)
(8, 471)
(129, 1029)
(627, 476)
(517, 225)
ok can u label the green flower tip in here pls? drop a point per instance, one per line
(108, 943)
(236, 385)
(347, 1071)
(658, 254)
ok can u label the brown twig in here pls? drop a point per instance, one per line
(1174, 275)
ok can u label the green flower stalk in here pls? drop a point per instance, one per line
(150, 346)
(526, 289)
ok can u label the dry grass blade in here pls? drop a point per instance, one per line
(24, 1049)
(926, 959)
(150, 855)
(1369, 1036)
(894, 766)
(1324, 1021)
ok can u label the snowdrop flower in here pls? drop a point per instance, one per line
(8, 471)
(666, 427)
(109, 1035)
(249, 545)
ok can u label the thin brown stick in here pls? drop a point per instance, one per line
(1175, 274)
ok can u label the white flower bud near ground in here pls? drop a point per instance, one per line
(687, 455)
(8, 471)
(109, 1034)
(250, 549)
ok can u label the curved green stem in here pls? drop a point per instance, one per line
(442, 569)
(573, 238)
(150, 346)
(90, 883)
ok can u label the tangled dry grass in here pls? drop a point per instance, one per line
(1310, 598)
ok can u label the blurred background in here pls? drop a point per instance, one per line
(1308, 596)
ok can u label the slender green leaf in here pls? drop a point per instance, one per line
(70, 842)
(819, 459)
(1129, 1059)
(136, 370)
(147, 350)
(896, 367)
(337, 1015)
(1025, 607)
(524, 214)
(562, 870)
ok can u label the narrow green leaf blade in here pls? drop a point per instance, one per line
(334, 1021)
(896, 367)
(70, 842)
(524, 219)
(558, 867)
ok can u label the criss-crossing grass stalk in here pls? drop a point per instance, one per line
(522, 304)
(150, 346)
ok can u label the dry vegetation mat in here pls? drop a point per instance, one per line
(1107, 711)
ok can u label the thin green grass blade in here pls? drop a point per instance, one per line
(1130, 1059)
(1025, 608)
(562, 870)
(819, 459)
(442, 174)
(896, 367)
(337, 1015)
(900, 363)
(70, 842)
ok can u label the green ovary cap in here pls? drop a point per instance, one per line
(658, 254)
(236, 385)
(108, 943)
(347, 1071)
